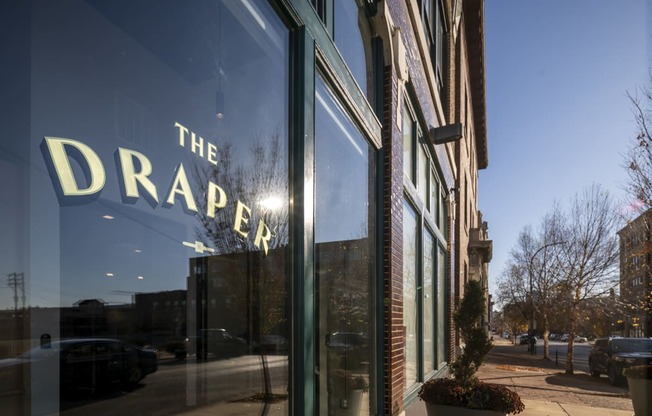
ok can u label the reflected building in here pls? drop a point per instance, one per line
(279, 197)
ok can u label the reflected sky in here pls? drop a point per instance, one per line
(105, 75)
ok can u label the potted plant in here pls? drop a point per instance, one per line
(639, 380)
(464, 394)
(347, 389)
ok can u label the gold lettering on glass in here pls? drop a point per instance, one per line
(182, 134)
(181, 186)
(197, 144)
(240, 219)
(131, 178)
(262, 235)
(211, 203)
(90, 163)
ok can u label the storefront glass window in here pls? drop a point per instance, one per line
(344, 260)
(441, 306)
(428, 302)
(424, 261)
(410, 293)
(145, 224)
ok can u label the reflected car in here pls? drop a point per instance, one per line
(88, 363)
(215, 343)
(273, 344)
(612, 355)
(350, 349)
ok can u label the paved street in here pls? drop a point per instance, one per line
(544, 381)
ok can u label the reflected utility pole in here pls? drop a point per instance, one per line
(17, 281)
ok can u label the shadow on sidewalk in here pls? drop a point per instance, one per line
(518, 356)
(516, 366)
(585, 382)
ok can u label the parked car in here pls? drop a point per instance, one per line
(525, 339)
(554, 337)
(274, 344)
(87, 363)
(215, 343)
(505, 334)
(612, 355)
(564, 338)
(579, 338)
(348, 349)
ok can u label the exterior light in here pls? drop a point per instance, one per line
(445, 134)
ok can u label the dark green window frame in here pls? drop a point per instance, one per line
(314, 50)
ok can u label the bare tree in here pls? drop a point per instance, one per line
(638, 159)
(590, 257)
(536, 256)
(512, 294)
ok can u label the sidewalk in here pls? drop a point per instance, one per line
(546, 390)
(544, 408)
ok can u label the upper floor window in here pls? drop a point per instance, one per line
(320, 7)
(419, 167)
(348, 28)
(434, 25)
(346, 23)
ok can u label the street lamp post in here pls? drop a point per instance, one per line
(531, 276)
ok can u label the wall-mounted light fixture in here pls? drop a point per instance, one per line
(445, 134)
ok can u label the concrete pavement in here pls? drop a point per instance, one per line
(547, 408)
(546, 390)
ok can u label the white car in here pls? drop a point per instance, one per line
(580, 339)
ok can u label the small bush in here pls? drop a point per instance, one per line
(478, 395)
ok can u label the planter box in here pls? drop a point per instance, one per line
(640, 390)
(442, 410)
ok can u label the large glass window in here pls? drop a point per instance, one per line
(145, 223)
(410, 293)
(424, 260)
(429, 278)
(345, 260)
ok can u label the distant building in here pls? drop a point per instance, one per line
(635, 281)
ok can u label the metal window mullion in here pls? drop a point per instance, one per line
(302, 258)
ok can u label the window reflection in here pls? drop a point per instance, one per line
(344, 260)
(410, 293)
(148, 232)
(349, 32)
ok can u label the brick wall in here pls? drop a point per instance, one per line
(394, 358)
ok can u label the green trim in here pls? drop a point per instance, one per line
(302, 149)
(378, 288)
(337, 73)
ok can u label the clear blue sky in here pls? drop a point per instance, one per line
(558, 117)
